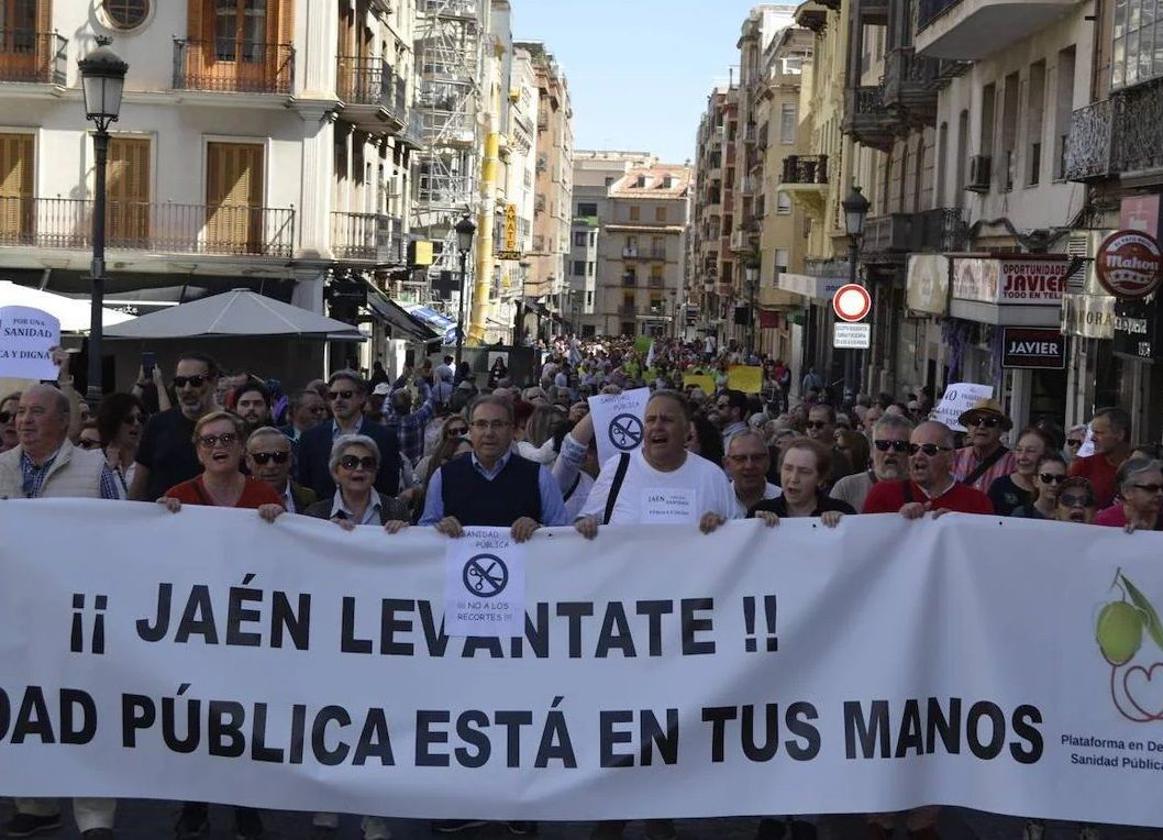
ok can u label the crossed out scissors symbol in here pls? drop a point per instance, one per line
(486, 575)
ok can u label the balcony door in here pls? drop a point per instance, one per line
(243, 45)
(128, 210)
(16, 186)
(21, 50)
(234, 191)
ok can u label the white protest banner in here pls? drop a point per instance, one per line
(957, 400)
(484, 584)
(619, 421)
(876, 666)
(27, 337)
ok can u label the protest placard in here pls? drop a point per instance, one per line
(27, 338)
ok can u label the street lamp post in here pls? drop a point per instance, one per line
(102, 83)
(465, 230)
(855, 212)
(751, 272)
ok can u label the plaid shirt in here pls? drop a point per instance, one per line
(409, 428)
(33, 478)
(965, 461)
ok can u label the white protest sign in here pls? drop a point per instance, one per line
(958, 399)
(668, 506)
(619, 421)
(660, 673)
(1087, 448)
(27, 337)
(484, 584)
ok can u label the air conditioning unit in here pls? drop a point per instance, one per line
(979, 172)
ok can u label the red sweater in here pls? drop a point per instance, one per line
(1101, 474)
(255, 494)
(889, 497)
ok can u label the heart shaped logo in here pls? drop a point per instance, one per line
(1144, 691)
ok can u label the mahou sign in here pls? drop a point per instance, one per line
(1129, 264)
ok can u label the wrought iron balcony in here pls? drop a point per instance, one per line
(233, 66)
(929, 10)
(1123, 134)
(866, 118)
(365, 83)
(910, 86)
(367, 237)
(28, 56)
(937, 230)
(1088, 146)
(67, 223)
(805, 169)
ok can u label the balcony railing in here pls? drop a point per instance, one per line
(367, 236)
(628, 310)
(138, 226)
(937, 230)
(866, 118)
(372, 81)
(929, 10)
(805, 169)
(233, 66)
(448, 8)
(28, 56)
(1137, 143)
(629, 279)
(910, 84)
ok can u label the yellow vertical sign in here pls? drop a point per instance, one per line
(511, 229)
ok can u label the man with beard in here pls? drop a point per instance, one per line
(984, 460)
(167, 456)
(253, 404)
(890, 449)
(930, 486)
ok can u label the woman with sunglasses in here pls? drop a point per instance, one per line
(1076, 501)
(1048, 479)
(1075, 437)
(218, 441)
(1140, 497)
(1017, 489)
(454, 426)
(120, 422)
(8, 421)
(354, 463)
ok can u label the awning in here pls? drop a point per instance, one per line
(400, 324)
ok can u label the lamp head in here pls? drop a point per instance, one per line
(102, 83)
(855, 211)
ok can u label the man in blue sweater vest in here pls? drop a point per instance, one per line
(493, 485)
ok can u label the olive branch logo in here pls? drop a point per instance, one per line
(1119, 633)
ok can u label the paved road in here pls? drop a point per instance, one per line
(152, 821)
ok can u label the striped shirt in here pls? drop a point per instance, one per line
(965, 461)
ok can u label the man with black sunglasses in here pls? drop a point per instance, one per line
(890, 461)
(268, 457)
(930, 485)
(984, 460)
(346, 393)
(166, 456)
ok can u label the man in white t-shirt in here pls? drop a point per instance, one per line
(662, 482)
(748, 462)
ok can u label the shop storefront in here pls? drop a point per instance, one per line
(921, 350)
(990, 294)
(817, 319)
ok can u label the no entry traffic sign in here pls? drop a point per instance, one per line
(851, 303)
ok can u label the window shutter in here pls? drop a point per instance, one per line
(16, 185)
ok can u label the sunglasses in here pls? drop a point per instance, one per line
(336, 395)
(1073, 443)
(5, 416)
(1071, 501)
(210, 441)
(894, 445)
(89, 444)
(988, 422)
(495, 425)
(929, 449)
(817, 424)
(351, 462)
(1149, 488)
(1051, 478)
(192, 381)
(264, 458)
(456, 431)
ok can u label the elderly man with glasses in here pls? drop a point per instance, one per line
(747, 462)
(890, 462)
(268, 458)
(985, 459)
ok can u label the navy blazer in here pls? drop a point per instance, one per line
(315, 452)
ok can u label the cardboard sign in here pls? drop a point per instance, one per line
(958, 399)
(484, 584)
(745, 378)
(619, 421)
(27, 337)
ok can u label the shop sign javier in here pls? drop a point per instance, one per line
(1026, 281)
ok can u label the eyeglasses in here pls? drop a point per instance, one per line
(818, 424)
(929, 449)
(5, 416)
(351, 462)
(336, 395)
(455, 431)
(1048, 478)
(210, 441)
(485, 425)
(85, 443)
(894, 445)
(981, 420)
(1150, 488)
(193, 381)
(1073, 443)
(264, 458)
(1071, 501)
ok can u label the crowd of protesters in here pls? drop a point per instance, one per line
(441, 447)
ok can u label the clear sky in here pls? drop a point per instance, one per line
(639, 70)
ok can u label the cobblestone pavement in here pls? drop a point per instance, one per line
(147, 820)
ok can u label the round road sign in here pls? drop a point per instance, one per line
(851, 303)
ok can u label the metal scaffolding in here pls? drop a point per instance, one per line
(449, 55)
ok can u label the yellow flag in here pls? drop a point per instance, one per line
(699, 380)
(745, 378)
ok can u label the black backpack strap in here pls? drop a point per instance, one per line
(572, 489)
(985, 465)
(616, 487)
